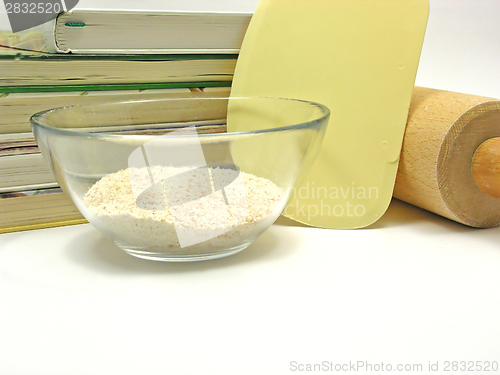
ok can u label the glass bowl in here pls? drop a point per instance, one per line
(179, 179)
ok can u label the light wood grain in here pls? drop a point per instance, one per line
(486, 167)
(444, 130)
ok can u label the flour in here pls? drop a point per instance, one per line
(157, 219)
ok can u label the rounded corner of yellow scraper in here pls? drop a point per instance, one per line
(370, 220)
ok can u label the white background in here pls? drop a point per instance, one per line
(413, 288)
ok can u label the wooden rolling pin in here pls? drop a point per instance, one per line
(450, 160)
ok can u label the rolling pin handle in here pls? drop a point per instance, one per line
(485, 167)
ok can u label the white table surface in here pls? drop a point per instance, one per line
(412, 289)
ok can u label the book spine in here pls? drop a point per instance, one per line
(57, 33)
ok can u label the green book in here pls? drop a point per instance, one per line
(18, 104)
(38, 72)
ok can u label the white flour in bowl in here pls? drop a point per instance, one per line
(154, 221)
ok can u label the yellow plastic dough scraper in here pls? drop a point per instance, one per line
(359, 58)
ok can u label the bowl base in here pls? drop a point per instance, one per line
(165, 257)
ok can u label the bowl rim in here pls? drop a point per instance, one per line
(35, 119)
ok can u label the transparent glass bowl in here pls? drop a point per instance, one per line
(181, 179)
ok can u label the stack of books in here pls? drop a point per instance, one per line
(86, 56)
